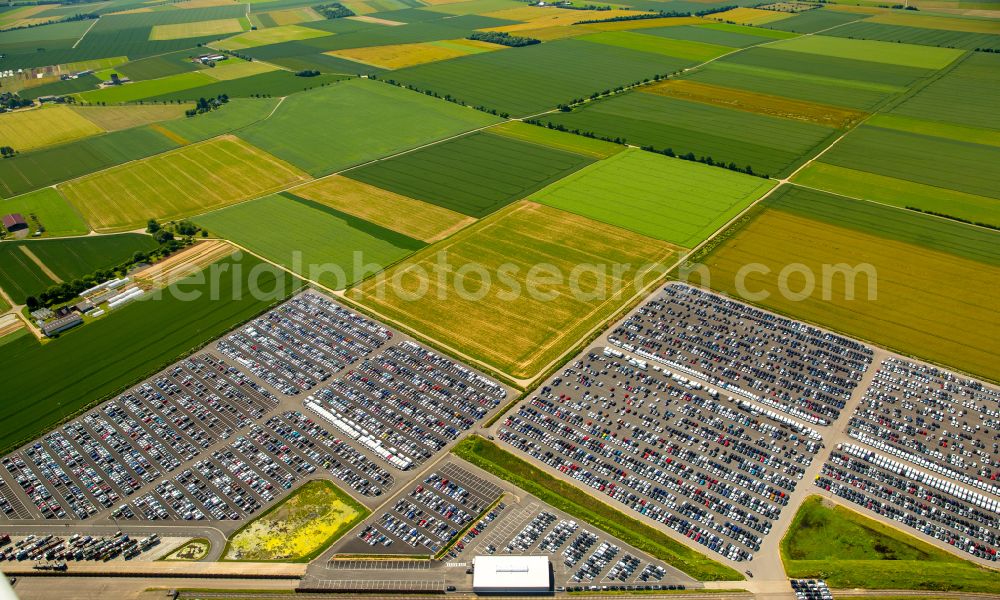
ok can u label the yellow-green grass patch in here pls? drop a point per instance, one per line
(891, 53)
(419, 220)
(937, 22)
(751, 16)
(536, 17)
(642, 23)
(674, 200)
(376, 20)
(191, 550)
(529, 316)
(299, 527)
(962, 133)
(694, 51)
(178, 184)
(766, 104)
(95, 64)
(237, 69)
(179, 31)
(25, 130)
(569, 142)
(51, 210)
(292, 16)
(138, 90)
(936, 281)
(900, 192)
(749, 30)
(114, 118)
(359, 7)
(398, 56)
(556, 32)
(272, 35)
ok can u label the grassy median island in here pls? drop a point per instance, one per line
(300, 527)
(849, 550)
(567, 497)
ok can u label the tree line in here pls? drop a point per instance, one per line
(503, 38)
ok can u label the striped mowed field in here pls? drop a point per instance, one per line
(188, 181)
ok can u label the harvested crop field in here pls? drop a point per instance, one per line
(299, 527)
(178, 31)
(26, 130)
(511, 324)
(184, 263)
(115, 118)
(187, 181)
(397, 56)
(474, 174)
(935, 279)
(309, 238)
(669, 199)
(413, 218)
(765, 104)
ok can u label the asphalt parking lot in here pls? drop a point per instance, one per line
(221, 435)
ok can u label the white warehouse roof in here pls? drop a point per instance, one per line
(510, 574)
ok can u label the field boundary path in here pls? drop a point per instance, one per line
(38, 262)
(86, 32)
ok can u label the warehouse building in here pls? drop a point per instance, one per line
(14, 222)
(511, 575)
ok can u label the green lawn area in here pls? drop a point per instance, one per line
(853, 551)
(138, 90)
(55, 214)
(351, 122)
(314, 240)
(48, 383)
(298, 528)
(906, 55)
(474, 175)
(670, 199)
(582, 505)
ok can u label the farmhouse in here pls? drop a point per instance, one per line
(61, 324)
(511, 575)
(14, 222)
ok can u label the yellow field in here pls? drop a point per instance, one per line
(20, 17)
(273, 35)
(179, 31)
(776, 106)
(235, 68)
(359, 7)
(202, 3)
(547, 34)
(96, 64)
(114, 118)
(414, 218)
(508, 323)
(292, 16)
(185, 263)
(751, 16)
(184, 182)
(935, 305)
(541, 17)
(936, 22)
(376, 20)
(397, 56)
(29, 129)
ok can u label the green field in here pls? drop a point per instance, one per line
(852, 551)
(906, 55)
(919, 35)
(669, 199)
(536, 78)
(900, 192)
(48, 383)
(584, 505)
(189, 181)
(236, 114)
(298, 528)
(67, 259)
(163, 65)
(685, 49)
(316, 241)
(812, 21)
(518, 288)
(770, 145)
(369, 119)
(811, 65)
(935, 278)
(738, 37)
(138, 90)
(474, 174)
(952, 131)
(559, 140)
(800, 86)
(272, 35)
(935, 161)
(273, 83)
(965, 95)
(55, 214)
